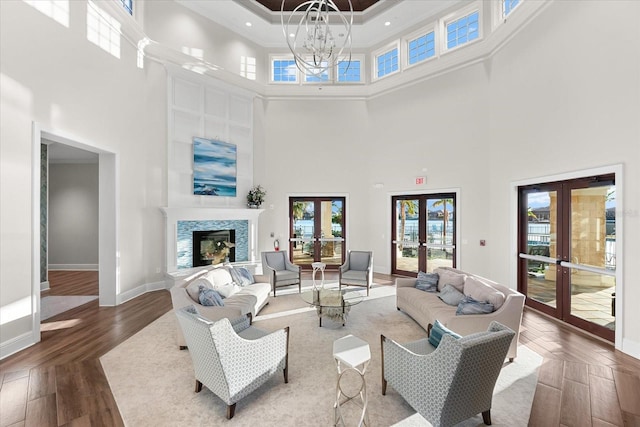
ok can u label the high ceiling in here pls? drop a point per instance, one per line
(369, 26)
(276, 5)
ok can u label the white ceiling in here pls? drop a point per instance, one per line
(60, 153)
(368, 29)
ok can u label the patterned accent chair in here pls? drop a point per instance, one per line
(230, 357)
(281, 271)
(357, 270)
(450, 383)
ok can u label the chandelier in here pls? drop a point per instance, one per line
(309, 31)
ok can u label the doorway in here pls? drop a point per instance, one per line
(567, 251)
(423, 231)
(317, 230)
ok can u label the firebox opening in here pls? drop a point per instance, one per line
(213, 247)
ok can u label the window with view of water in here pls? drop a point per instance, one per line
(462, 30)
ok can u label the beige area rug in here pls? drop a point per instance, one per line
(153, 383)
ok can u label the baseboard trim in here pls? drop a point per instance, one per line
(88, 267)
(16, 344)
(142, 289)
(44, 286)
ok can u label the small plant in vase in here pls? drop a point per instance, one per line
(255, 197)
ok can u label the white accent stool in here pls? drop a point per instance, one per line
(318, 266)
(352, 352)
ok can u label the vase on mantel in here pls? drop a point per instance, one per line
(253, 205)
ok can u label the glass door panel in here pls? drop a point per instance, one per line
(440, 233)
(540, 232)
(406, 240)
(302, 240)
(330, 240)
(593, 253)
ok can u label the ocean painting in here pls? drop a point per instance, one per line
(214, 168)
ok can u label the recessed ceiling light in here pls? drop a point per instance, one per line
(292, 35)
(248, 24)
(386, 24)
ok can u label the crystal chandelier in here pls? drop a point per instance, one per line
(309, 30)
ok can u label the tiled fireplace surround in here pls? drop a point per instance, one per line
(181, 222)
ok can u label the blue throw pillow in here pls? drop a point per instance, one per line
(427, 282)
(245, 276)
(451, 295)
(209, 297)
(470, 306)
(438, 330)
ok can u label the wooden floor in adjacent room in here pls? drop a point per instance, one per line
(60, 382)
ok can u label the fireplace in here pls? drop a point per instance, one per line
(213, 247)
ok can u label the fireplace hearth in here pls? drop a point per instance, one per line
(213, 247)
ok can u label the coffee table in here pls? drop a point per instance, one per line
(332, 302)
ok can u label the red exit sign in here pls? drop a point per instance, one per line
(421, 180)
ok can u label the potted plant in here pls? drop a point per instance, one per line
(255, 197)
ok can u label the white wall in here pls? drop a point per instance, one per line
(73, 215)
(52, 75)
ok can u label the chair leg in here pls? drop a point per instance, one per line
(384, 381)
(183, 347)
(511, 360)
(486, 417)
(231, 411)
(198, 386)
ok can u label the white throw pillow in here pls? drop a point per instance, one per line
(448, 277)
(227, 290)
(219, 276)
(482, 292)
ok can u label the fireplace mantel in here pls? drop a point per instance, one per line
(174, 214)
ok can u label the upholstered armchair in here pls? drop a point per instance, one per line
(281, 271)
(230, 357)
(450, 383)
(357, 270)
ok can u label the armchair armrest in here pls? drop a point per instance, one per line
(241, 323)
(402, 282)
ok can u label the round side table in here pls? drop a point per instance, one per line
(318, 266)
(352, 352)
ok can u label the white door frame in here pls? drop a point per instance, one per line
(108, 202)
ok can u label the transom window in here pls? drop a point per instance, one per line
(128, 5)
(319, 77)
(284, 70)
(509, 5)
(349, 71)
(421, 48)
(462, 30)
(387, 62)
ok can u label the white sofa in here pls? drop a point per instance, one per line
(426, 307)
(248, 300)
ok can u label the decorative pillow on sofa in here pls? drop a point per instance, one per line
(227, 290)
(480, 291)
(438, 330)
(448, 277)
(193, 288)
(209, 297)
(470, 306)
(451, 295)
(219, 276)
(246, 278)
(427, 282)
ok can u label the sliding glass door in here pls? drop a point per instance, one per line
(567, 251)
(423, 230)
(317, 230)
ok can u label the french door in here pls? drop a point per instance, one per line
(423, 232)
(317, 230)
(567, 251)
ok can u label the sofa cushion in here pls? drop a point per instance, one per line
(227, 290)
(480, 291)
(193, 288)
(427, 282)
(448, 277)
(469, 305)
(451, 295)
(438, 330)
(209, 297)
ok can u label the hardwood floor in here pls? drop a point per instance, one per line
(59, 382)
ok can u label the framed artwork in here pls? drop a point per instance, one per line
(214, 168)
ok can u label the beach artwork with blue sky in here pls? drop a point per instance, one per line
(214, 168)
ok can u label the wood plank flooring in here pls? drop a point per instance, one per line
(583, 381)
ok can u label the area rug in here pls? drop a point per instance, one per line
(153, 383)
